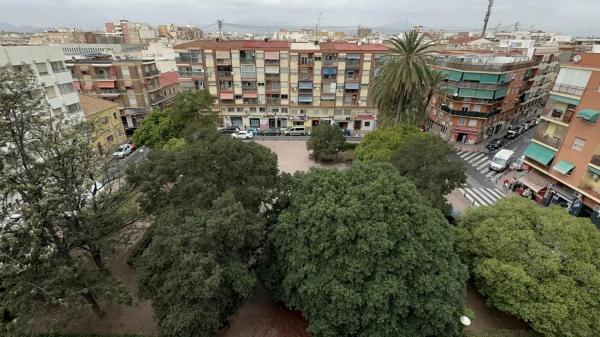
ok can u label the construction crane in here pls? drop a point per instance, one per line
(487, 17)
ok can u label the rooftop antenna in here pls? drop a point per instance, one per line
(487, 17)
(220, 24)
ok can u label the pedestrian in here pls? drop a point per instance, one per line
(506, 183)
(520, 191)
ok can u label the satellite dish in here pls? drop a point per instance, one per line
(465, 320)
(577, 58)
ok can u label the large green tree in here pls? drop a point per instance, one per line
(60, 207)
(540, 264)
(379, 145)
(426, 160)
(196, 261)
(325, 141)
(191, 113)
(400, 85)
(363, 254)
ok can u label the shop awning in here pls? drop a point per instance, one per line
(226, 95)
(594, 170)
(589, 115)
(564, 192)
(563, 167)
(535, 181)
(539, 153)
(566, 100)
(249, 95)
(106, 84)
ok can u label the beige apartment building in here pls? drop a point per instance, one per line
(133, 84)
(565, 151)
(267, 84)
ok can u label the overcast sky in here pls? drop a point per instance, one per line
(566, 16)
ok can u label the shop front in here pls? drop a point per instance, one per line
(465, 135)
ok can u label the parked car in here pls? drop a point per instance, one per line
(501, 160)
(123, 151)
(494, 145)
(296, 131)
(255, 131)
(511, 134)
(271, 132)
(346, 133)
(519, 164)
(242, 135)
(230, 130)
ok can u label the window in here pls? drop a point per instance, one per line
(114, 115)
(240, 109)
(472, 123)
(284, 96)
(50, 92)
(57, 66)
(41, 68)
(238, 96)
(73, 107)
(477, 108)
(125, 71)
(274, 109)
(284, 110)
(462, 121)
(261, 84)
(578, 144)
(66, 88)
(254, 122)
(230, 110)
(248, 71)
(464, 108)
(317, 58)
(367, 124)
(262, 109)
(253, 109)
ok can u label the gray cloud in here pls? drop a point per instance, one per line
(569, 17)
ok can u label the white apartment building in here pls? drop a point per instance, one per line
(48, 63)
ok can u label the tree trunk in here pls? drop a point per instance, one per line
(90, 297)
(97, 258)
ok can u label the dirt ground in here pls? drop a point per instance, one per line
(293, 156)
(489, 317)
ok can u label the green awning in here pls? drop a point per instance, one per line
(463, 92)
(594, 170)
(501, 93)
(454, 75)
(564, 167)
(471, 77)
(489, 78)
(503, 78)
(540, 153)
(488, 94)
(589, 115)
(566, 100)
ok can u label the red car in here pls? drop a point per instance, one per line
(519, 164)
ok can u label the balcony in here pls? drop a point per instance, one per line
(109, 77)
(247, 60)
(111, 92)
(151, 73)
(224, 74)
(190, 73)
(327, 104)
(249, 87)
(226, 88)
(595, 160)
(272, 76)
(305, 77)
(60, 70)
(553, 139)
(223, 62)
(250, 101)
(352, 64)
(329, 63)
(157, 99)
(273, 101)
(568, 89)
(352, 78)
(453, 64)
(306, 63)
(271, 88)
(187, 60)
(559, 115)
(477, 85)
(271, 62)
(350, 102)
(467, 113)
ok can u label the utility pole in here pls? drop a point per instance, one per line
(318, 29)
(487, 17)
(220, 24)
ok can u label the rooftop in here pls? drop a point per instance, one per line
(91, 105)
(279, 45)
(588, 60)
(168, 78)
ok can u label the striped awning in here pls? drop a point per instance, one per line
(249, 95)
(226, 95)
(271, 55)
(535, 181)
(106, 84)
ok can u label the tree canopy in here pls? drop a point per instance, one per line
(60, 207)
(379, 145)
(325, 141)
(426, 160)
(190, 114)
(540, 264)
(196, 261)
(363, 254)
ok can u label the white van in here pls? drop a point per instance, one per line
(296, 131)
(501, 160)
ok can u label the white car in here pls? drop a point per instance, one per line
(123, 151)
(243, 135)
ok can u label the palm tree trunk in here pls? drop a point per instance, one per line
(92, 300)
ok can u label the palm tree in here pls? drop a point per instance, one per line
(435, 86)
(402, 79)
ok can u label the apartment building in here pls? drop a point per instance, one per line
(565, 151)
(187, 32)
(131, 32)
(104, 117)
(486, 93)
(48, 64)
(169, 87)
(133, 84)
(268, 84)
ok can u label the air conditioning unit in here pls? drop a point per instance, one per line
(294, 89)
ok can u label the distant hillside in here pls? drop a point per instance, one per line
(7, 27)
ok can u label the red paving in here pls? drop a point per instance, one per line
(261, 316)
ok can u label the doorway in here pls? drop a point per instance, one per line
(357, 125)
(462, 138)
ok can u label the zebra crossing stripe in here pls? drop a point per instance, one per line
(484, 159)
(477, 197)
(494, 198)
(496, 192)
(490, 174)
(476, 158)
(485, 170)
(473, 154)
(464, 154)
(461, 153)
(482, 165)
(484, 197)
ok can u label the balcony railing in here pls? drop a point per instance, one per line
(352, 63)
(552, 140)
(111, 92)
(157, 99)
(224, 74)
(226, 88)
(596, 159)
(105, 77)
(350, 102)
(442, 62)
(272, 76)
(60, 70)
(250, 101)
(249, 87)
(183, 60)
(273, 88)
(568, 89)
(271, 100)
(306, 63)
(149, 73)
(477, 85)
(223, 62)
(559, 115)
(328, 104)
(352, 78)
(330, 63)
(305, 77)
(271, 62)
(247, 60)
(467, 113)
(190, 73)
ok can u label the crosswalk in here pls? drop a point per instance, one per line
(482, 196)
(480, 161)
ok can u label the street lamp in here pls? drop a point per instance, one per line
(142, 153)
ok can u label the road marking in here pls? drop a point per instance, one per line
(473, 154)
(484, 197)
(484, 159)
(476, 158)
(478, 198)
(496, 192)
(464, 154)
(485, 170)
(489, 195)
(490, 174)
